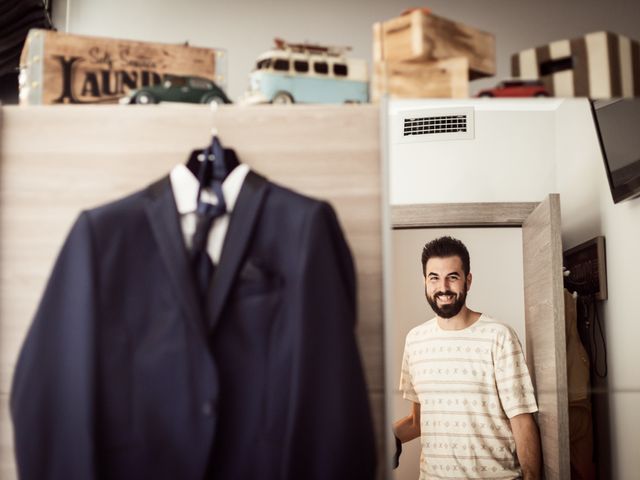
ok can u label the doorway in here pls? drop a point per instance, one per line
(542, 301)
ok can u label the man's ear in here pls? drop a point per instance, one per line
(469, 278)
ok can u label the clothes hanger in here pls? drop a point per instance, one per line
(217, 162)
(214, 162)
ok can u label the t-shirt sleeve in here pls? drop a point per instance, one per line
(512, 376)
(406, 380)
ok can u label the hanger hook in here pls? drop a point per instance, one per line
(214, 109)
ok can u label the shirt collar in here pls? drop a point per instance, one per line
(185, 188)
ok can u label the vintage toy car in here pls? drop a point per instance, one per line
(306, 73)
(175, 88)
(516, 88)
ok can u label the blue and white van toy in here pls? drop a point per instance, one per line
(304, 73)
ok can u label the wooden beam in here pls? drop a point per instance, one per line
(461, 215)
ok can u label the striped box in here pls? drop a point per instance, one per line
(598, 65)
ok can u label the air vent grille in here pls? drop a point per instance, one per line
(433, 125)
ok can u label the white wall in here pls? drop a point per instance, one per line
(587, 211)
(513, 144)
(246, 27)
(581, 177)
(497, 289)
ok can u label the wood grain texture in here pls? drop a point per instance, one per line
(461, 215)
(421, 36)
(58, 160)
(104, 60)
(377, 51)
(545, 332)
(435, 79)
(7, 468)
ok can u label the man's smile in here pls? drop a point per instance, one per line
(446, 298)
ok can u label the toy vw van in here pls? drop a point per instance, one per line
(304, 73)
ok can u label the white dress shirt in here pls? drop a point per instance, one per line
(185, 191)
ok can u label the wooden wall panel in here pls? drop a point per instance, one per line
(55, 161)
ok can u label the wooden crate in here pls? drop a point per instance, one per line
(440, 79)
(63, 68)
(421, 36)
(598, 65)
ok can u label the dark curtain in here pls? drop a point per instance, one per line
(16, 18)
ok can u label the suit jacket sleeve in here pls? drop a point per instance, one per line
(52, 397)
(331, 433)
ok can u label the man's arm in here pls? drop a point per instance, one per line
(527, 437)
(408, 428)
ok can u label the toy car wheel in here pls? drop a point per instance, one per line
(541, 94)
(283, 98)
(214, 99)
(144, 98)
(485, 95)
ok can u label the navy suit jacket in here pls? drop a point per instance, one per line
(124, 374)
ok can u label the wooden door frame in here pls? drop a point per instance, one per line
(452, 215)
(470, 215)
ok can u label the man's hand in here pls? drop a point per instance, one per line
(408, 428)
(405, 430)
(527, 438)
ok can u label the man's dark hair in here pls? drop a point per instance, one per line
(446, 247)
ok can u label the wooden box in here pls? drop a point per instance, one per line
(597, 65)
(421, 36)
(64, 68)
(440, 79)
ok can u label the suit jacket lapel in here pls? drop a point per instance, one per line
(241, 224)
(165, 224)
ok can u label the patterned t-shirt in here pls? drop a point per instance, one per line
(469, 383)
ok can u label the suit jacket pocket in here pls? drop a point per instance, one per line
(255, 279)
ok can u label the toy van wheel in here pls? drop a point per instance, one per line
(541, 94)
(144, 98)
(485, 95)
(282, 98)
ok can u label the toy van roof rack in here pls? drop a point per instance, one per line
(334, 51)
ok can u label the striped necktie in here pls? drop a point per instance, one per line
(202, 265)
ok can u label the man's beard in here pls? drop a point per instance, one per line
(448, 310)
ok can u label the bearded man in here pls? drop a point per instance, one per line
(467, 378)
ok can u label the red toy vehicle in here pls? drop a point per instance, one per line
(516, 88)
